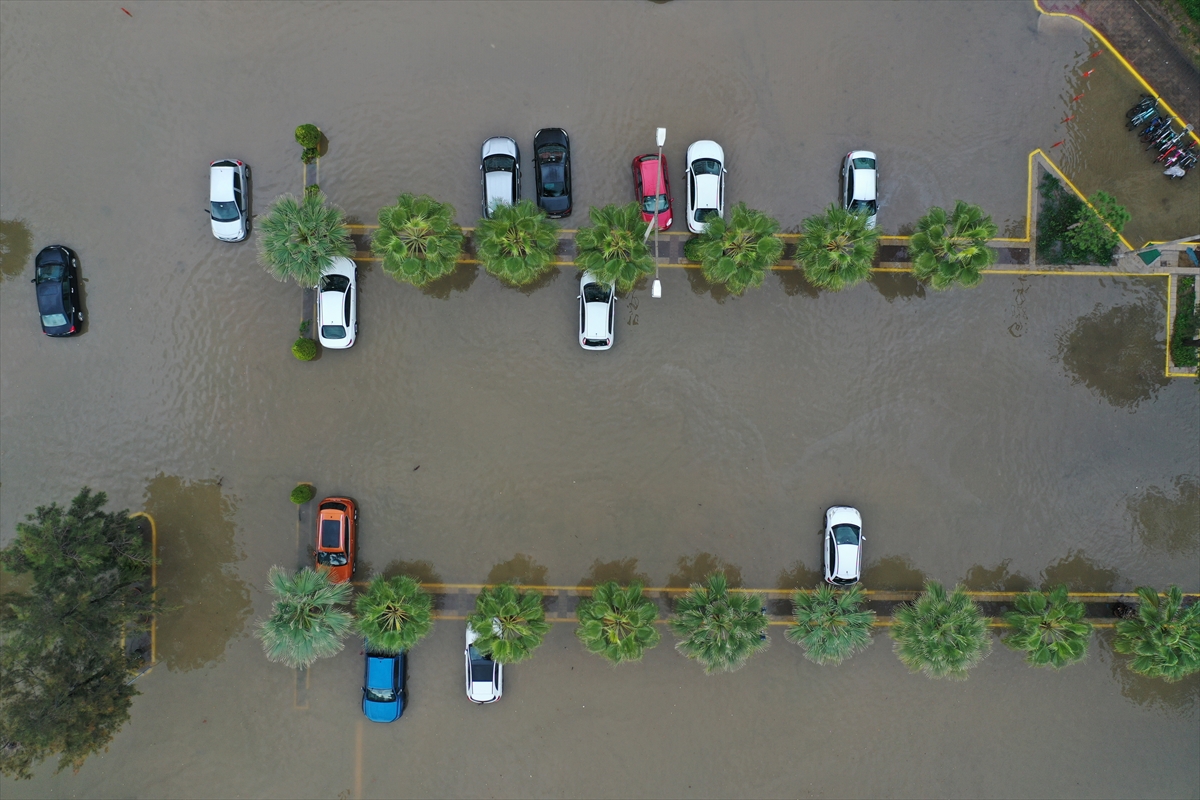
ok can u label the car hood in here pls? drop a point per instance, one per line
(708, 189)
(843, 515)
(705, 148)
(499, 146)
(220, 186)
(551, 136)
(847, 561)
(50, 298)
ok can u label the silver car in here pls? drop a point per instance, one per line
(500, 173)
(843, 545)
(228, 199)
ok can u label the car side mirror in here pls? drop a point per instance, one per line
(208, 211)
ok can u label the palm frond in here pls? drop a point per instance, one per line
(298, 239)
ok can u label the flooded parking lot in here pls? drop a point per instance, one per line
(1018, 431)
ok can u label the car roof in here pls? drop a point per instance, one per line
(705, 148)
(708, 191)
(499, 145)
(648, 165)
(499, 184)
(595, 320)
(50, 297)
(864, 184)
(220, 184)
(847, 561)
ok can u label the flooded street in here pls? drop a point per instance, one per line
(1019, 431)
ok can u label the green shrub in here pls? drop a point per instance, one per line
(304, 491)
(1069, 232)
(691, 250)
(739, 252)
(1184, 326)
(309, 155)
(304, 349)
(308, 136)
(312, 190)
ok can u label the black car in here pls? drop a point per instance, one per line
(56, 276)
(552, 162)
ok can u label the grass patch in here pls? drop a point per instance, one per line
(1184, 326)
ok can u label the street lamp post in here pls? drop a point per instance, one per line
(660, 136)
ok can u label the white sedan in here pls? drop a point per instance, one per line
(228, 191)
(500, 173)
(597, 312)
(485, 678)
(843, 545)
(860, 185)
(337, 305)
(705, 183)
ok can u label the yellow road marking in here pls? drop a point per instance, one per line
(358, 759)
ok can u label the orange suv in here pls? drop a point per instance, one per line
(337, 523)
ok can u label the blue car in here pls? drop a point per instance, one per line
(383, 687)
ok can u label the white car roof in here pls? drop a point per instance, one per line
(220, 184)
(499, 185)
(499, 146)
(864, 184)
(705, 148)
(708, 191)
(847, 562)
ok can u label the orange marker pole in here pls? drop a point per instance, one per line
(1056, 144)
(1089, 72)
(127, 12)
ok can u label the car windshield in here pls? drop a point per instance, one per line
(51, 274)
(53, 320)
(331, 559)
(864, 163)
(333, 331)
(863, 207)
(706, 166)
(648, 204)
(596, 293)
(553, 180)
(701, 213)
(334, 283)
(845, 534)
(498, 163)
(225, 211)
(381, 695)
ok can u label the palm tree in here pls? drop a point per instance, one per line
(305, 623)
(614, 249)
(1050, 628)
(510, 624)
(618, 623)
(394, 614)
(948, 250)
(738, 253)
(517, 244)
(830, 625)
(837, 248)
(418, 240)
(1164, 638)
(298, 239)
(719, 628)
(942, 635)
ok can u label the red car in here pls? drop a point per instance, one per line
(645, 181)
(337, 523)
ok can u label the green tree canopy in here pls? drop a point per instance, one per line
(298, 239)
(830, 625)
(394, 614)
(305, 622)
(65, 689)
(510, 624)
(517, 244)
(837, 248)
(717, 627)
(1049, 628)
(739, 252)
(612, 249)
(1097, 233)
(618, 623)
(952, 248)
(418, 240)
(1164, 638)
(943, 635)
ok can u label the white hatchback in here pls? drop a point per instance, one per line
(843, 545)
(485, 678)
(597, 312)
(337, 305)
(860, 185)
(228, 190)
(705, 183)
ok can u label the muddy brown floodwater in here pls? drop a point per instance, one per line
(1018, 432)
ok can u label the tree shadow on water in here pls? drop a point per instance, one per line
(520, 569)
(423, 571)
(1080, 574)
(624, 571)
(996, 579)
(1117, 353)
(458, 281)
(16, 243)
(694, 569)
(893, 572)
(545, 279)
(897, 286)
(798, 577)
(1180, 697)
(793, 283)
(197, 577)
(700, 285)
(1168, 521)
